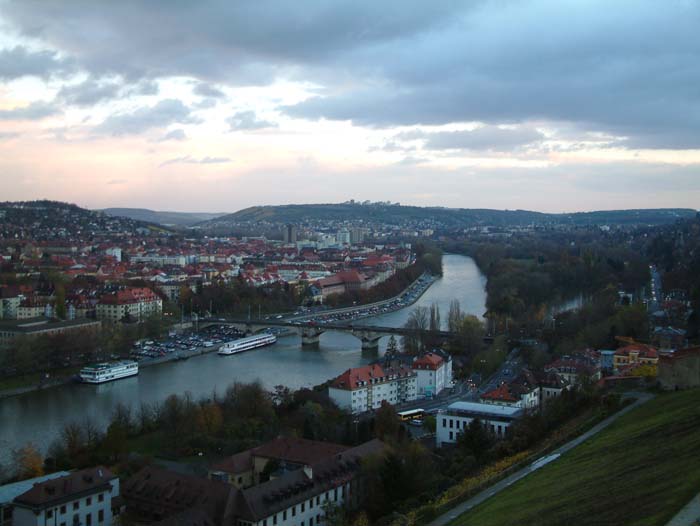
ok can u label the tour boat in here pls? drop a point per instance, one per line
(245, 344)
(106, 372)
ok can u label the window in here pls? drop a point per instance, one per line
(76, 519)
(88, 501)
(294, 511)
(101, 516)
(49, 514)
(264, 522)
(303, 507)
(444, 422)
(335, 494)
(274, 519)
(76, 505)
(88, 519)
(451, 423)
(284, 515)
(101, 497)
(311, 521)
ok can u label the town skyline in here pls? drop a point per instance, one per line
(571, 108)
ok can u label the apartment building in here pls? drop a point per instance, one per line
(82, 498)
(363, 389)
(133, 303)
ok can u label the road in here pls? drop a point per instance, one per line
(489, 492)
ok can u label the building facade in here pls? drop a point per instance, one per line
(132, 303)
(82, 498)
(454, 420)
(365, 388)
(433, 372)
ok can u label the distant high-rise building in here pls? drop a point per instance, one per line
(289, 233)
(357, 235)
(343, 237)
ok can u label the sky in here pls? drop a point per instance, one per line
(215, 106)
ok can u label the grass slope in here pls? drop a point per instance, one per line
(641, 470)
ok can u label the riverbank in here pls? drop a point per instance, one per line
(65, 377)
(406, 298)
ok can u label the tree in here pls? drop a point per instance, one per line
(386, 422)
(471, 335)
(434, 317)
(28, 462)
(475, 440)
(392, 346)
(418, 321)
(454, 316)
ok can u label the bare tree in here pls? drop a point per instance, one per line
(454, 316)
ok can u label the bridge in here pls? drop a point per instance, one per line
(311, 332)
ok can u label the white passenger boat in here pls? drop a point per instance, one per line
(106, 372)
(245, 344)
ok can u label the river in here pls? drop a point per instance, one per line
(38, 417)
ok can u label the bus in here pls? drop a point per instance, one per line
(412, 414)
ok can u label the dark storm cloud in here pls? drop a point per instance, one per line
(21, 62)
(164, 113)
(248, 120)
(627, 68)
(32, 112)
(241, 42)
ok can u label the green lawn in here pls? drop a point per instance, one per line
(641, 470)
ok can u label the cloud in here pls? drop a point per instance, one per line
(174, 135)
(5, 136)
(33, 112)
(482, 138)
(630, 73)
(192, 160)
(19, 62)
(89, 92)
(163, 113)
(248, 120)
(117, 181)
(206, 90)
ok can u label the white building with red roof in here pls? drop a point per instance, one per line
(364, 388)
(433, 372)
(137, 303)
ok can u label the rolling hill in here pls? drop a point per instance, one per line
(446, 217)
(162, 217)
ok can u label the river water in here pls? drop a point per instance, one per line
(38, 417)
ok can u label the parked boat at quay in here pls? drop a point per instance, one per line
(106, 372)
(246, 344)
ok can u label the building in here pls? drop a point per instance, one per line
(635, 354)
(574, 369)
(679, 369)
(88, 497)
(11, 329)
(292, 497)
(496, 418)
(10, 300)
(523, 392)
(9, 492)
(363, 389)
(245, 469)
(342, 237)
(132, 303)
(357, 235)
(433, 372)
(289, 234)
